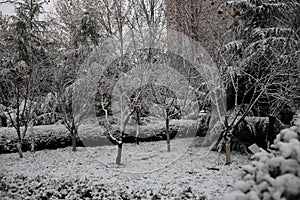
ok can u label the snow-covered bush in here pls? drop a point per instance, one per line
(274, 175)
(41, 187)
(57, 136)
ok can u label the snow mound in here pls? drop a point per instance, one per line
(272, 175)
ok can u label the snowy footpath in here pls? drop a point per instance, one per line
(148, 172)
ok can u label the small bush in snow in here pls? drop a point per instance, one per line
(275, 175)
(41, 187)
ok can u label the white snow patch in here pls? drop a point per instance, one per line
(146, 167)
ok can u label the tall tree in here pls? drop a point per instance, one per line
(27, 56)
(263, 62)
(84, 31)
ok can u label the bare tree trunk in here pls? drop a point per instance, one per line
(74, 139)
(227, 147)
(271, 134)
(32, 145)
(120, 147)
(18, 126)
(119, 156)
(19, 146)
(167, 132)
(73, 142)
(120, 142)
(137, 127)
(137, 134)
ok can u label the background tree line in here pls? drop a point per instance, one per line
(255, 44)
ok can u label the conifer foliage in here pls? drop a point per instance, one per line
(28, 29)
(265, 50)
(25, 34)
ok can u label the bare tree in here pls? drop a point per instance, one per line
(203, 21)
(21, 84)
(161, 96)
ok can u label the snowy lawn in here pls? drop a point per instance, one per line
(148, 172)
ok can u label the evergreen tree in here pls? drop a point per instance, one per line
(28, 31)
(27, 54)
(86, 29)
(265, 52)
(263, 60)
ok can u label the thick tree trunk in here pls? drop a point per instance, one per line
(118, 159)
(120, 146)
(19, 146)
(227, 147)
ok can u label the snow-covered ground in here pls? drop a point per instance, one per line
(148, 172)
